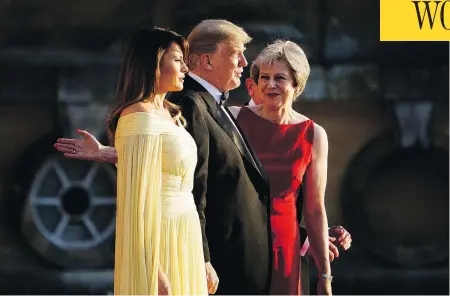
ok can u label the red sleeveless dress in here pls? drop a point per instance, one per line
(285, 152)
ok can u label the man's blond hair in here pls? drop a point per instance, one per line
(208, 34)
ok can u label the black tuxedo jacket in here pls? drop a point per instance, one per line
(304, 271)
(231, 192)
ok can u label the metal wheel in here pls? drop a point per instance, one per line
(69, 213)
(385, 216)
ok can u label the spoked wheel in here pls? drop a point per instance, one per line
(396, 203)
(69, 212)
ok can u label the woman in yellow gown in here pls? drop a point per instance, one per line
(158, 238)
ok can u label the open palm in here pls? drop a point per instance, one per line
(86, 148)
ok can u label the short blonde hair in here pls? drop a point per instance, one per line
(208, 34)
(289, 53)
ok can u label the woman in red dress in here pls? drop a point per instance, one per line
(293, 150)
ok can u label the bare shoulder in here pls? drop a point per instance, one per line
(320, 142)
(134, 108)
(298, 118)
(319, 133)
(235, 110)
(315, 133)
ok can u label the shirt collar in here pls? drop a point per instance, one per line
(213, 91)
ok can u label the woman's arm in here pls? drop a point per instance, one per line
(314, 201)
(86, 148)
(108, 154)
(139, 207)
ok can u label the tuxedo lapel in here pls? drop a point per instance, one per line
(248, 151)
(225, 119)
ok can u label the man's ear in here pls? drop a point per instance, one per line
(249, 84)
(205, 62)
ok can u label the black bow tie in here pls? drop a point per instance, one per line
(224, 97)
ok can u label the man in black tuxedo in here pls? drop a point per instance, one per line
(230, 188)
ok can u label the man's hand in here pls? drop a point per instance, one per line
(212, 278)
(332, 249)
(163, 284)
(342, 237)
(87, 148)
(338, 236)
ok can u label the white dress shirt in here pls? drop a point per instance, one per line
(213, 91)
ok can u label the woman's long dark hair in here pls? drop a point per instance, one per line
(140, 72)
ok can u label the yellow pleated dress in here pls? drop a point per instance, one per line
(157, 223)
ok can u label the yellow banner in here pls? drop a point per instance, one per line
(408, 20)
